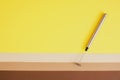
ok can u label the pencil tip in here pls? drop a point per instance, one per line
(86, 48)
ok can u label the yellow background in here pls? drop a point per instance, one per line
(58, 26)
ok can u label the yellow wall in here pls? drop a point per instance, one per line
(56, 26)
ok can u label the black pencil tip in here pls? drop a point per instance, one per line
(86, 48)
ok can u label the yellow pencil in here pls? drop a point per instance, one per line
(95, 32)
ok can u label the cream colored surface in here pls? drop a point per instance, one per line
(89, 58)
(58, 26)
(29, 66)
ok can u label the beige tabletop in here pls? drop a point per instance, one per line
(44, 66)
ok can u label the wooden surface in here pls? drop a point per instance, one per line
(59, 75)
(37, 66)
